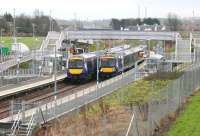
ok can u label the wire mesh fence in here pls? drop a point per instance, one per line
(164, 106)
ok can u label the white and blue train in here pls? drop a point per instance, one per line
(111, 62)
(114, 63)
(81, 67)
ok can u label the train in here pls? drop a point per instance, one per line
(115, 62)
(82, 67)
(111, 62)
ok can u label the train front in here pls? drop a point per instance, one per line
(107, 67)
(76, 69)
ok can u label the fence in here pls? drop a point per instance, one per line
(162, 107)
(145, 119)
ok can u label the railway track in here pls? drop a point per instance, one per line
(40, 96)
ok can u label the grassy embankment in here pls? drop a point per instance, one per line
(31, 42)
(188, 123)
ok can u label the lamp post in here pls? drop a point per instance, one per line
(14, 28)
(97, 63)
(55, 80)
(18, 60)
(34, 49)
(1, 33)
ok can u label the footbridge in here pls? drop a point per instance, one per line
(113, 35)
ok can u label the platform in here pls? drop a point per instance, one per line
(20, 87)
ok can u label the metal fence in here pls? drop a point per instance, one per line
(163, 107)
(146, 119)
(139, 120)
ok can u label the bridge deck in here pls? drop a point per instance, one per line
(108, 34)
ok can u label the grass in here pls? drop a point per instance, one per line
(31, 42)
(188, 123)
(134, 93)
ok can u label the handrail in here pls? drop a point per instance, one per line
(30, 124)
(16, 124)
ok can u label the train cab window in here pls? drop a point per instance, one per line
(108, 62)
(79, 50)
(76, 63)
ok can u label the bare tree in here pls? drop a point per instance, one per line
(173, 21)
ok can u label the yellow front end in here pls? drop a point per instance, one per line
(107, 70)
(75, 71)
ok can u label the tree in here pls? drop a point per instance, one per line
(115, 23)
(173, 21)
(151, 21)
(8, 17)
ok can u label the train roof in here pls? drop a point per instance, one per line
(90, 54)
(118, 48)
(84, 55)
(131, 50)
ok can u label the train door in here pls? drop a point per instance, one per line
(119, 64)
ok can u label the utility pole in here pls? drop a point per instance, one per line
(33, 51)
(138, 11)
(193, 20)
(98, 56)
(75, 21)
(50, 22)
(145, 12)
(55, 79)
(14, 28)
(1, 34)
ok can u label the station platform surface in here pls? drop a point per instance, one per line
(27, 85)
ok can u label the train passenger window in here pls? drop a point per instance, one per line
(120, 63)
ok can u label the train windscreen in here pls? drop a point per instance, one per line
(76, 63)
(108, 62)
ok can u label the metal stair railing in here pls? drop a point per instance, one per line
(16, 124)
(30, 125)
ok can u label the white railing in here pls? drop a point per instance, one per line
(16, 124)
(15, 72)
(30, 125)
(18, 58)
(189, 57)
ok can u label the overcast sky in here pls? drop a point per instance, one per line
(103, 9)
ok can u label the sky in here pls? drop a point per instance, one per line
(102, 9)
